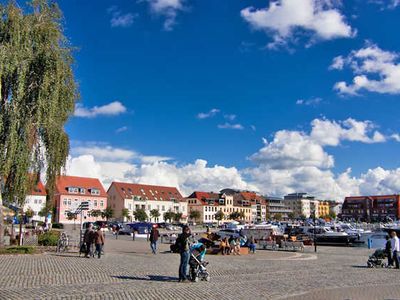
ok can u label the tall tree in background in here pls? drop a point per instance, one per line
(37, 96)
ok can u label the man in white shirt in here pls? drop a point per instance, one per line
(395, 248)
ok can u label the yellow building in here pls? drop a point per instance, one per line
(323, 208)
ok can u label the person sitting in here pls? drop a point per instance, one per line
(237, 246)
(224, 246)
(232, 245)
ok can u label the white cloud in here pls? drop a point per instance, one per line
(294, 161)
(209, 114)
(169, 9)
(375, 70)
(331, 133)
(309, 102)
(121, 129)
(231, 126)
(187, 178)
(111, 109)
(285, 19)
(118, 19)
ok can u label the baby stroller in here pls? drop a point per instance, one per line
(198, 269)
(377, 259)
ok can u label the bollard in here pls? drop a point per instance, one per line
(369, 243)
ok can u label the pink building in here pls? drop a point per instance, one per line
(71, 191)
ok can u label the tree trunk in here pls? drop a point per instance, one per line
(1, 221)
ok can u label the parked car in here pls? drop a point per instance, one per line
(125, 230)
(136, 226)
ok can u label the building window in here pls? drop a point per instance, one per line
(65, 202)
(95, 203)
(82, 191)
(95, 192)
(163, 208)
(101, 203)
(149, 207)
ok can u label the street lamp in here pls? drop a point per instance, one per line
(315, 240)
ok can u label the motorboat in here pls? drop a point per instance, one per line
(360, 234)
(325, 236)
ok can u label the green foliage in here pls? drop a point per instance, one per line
(57, 226)
(71, 216)
(219, 215)
(125, 213)
(49, 238)
(169, 216)
(234, 216)
(291, 215)
(37, 96)
(29, 213)
(278, 216)
(107, 213)
(177, 217)
(140, 215)
(18, 250)
(194, 215)
(155, 213)
(95, 213)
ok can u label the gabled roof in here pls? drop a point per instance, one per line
(39, 190)
(204, 197)
(151, 192)
(64, 182)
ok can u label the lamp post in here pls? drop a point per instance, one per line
(315, 240)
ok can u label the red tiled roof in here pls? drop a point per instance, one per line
(152, 192)
(39, 190)
(64, 182)
(203, 196)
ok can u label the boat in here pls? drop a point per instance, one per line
(325, 236)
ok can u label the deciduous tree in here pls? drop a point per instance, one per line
(37, 96)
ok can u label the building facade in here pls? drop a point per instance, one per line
(36, 201)
(371, 208)
(323, 208)
(302, 205)
(71, 191)
(276, 205)
(227, 201)
(132, 197)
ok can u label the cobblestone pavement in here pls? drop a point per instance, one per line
(129, 271)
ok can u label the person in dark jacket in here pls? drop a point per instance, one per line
(88, 239)
(154, 235)
(183, 242)
(99, 241)
(388, 250)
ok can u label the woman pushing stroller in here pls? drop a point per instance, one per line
(197, 264)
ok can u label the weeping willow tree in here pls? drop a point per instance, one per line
(37, 96)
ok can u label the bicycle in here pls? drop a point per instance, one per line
(63, 243)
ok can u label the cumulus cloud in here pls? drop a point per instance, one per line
(118, 19)
(374, 69)
(228, 125)
(293, 161)
(284, 20)
(111, 109)
(187, 178)
(209, 114)
(168, 9)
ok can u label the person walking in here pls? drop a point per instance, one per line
(395, 248)
(99, 241)
(183, 244)
(388, 250)
(117, 228)
(88, 239)
(154, 235)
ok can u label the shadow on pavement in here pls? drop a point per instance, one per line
(360, 267)
(149, 278)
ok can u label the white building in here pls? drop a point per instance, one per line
(36, 201)
(302, 204)
(147, 197)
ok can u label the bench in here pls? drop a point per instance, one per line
(267, 245)
(292, 246)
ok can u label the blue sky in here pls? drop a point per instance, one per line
(253, 68)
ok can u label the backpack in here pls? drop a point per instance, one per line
(179, 245)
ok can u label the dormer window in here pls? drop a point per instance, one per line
(82, 190)
(95, 191)
(73, 190)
